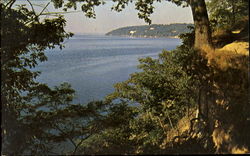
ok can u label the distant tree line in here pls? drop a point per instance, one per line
(154, 30)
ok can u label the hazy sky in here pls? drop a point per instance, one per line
(107, 20)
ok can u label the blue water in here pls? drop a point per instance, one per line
(93, 63)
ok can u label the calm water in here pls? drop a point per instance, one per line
(93, 63)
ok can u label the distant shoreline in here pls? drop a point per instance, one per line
(152, 31)
(144, 36)
(127, 36)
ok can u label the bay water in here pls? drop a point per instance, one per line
(93, 63)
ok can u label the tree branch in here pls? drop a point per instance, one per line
(51, 13)
(10, 3)
(44, 9)
(33, 9)
(68, 137)
(76, 147)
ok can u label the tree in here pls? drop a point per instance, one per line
(162, 91)
(35, 117)
(23, 39)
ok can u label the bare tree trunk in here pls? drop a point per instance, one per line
(201, 22)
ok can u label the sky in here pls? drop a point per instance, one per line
(107, 20)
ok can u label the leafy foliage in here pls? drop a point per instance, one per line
(114, 139)
(145, 7)
(36, 118)
(23, 38)
(163, 91)
(161, 85)
(227, 14)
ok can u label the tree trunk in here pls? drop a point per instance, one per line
(202, 28)
(203, 44)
